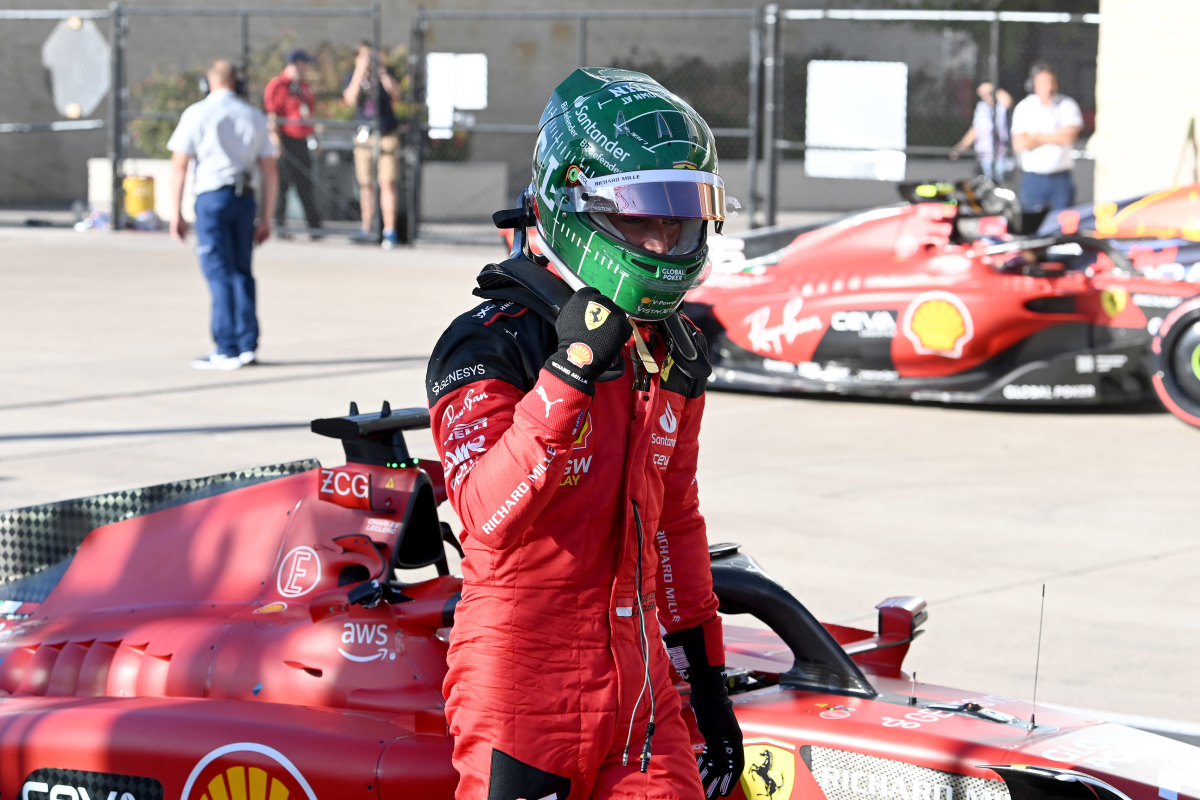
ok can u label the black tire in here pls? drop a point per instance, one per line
(1176, 350)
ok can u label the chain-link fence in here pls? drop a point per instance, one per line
(747, 71)
(60, 67)
(946, 56)
(326, 146)
(707, 57)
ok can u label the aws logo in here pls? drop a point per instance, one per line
(366, 633)
(246, 770)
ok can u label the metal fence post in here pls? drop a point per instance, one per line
(116, 113)
(770, 110)
(416, 132)
(994, 77)
(377, 225)
(752, 120)
(244, 19)
(582, 31)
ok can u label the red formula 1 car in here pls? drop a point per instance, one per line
(242, 637)
(920, 301)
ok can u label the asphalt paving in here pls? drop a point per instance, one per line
(845, 502)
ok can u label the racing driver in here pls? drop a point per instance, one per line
(566, 409)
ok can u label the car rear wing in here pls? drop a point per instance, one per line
(375, 438)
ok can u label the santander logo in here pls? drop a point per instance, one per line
(668, 420)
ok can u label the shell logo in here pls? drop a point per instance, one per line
(245, 784)
(246, 771)
(938, 323)
(271, 608)
(579, 354)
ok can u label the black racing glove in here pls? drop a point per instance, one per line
(722, 760)
(591, 332)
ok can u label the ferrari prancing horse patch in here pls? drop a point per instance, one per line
(594, 315)
(770, 769)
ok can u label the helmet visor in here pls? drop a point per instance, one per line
(669, 193)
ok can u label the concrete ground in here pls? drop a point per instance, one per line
(846, 503)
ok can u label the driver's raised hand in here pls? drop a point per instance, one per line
(591, 332)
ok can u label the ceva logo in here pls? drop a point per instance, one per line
(668, 420)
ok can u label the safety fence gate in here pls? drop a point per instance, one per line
(472, 157)
(884, 95)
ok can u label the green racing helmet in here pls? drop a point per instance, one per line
(617, 142)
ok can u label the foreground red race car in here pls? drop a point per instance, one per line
(932, 301)
(244, 637)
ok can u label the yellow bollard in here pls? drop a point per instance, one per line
(139, 194)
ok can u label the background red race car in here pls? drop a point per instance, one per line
(935, 301)
(243, 637)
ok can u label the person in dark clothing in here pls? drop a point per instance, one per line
(368, 93)
(289, 98)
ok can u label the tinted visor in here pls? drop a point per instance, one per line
(670, 193)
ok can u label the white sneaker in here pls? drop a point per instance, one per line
(248, 357)
(215, 360)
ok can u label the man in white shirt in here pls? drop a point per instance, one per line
(1045, 127)
(226, 137)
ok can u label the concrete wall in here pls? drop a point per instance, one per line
(463, 191)
(1145, 94)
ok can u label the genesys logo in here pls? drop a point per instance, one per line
(246, 770)
(51, 783)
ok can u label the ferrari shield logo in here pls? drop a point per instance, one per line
(1113, 301)
(770, 769)
(666, 367)
(594, 316)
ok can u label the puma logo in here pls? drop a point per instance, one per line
(549, 403)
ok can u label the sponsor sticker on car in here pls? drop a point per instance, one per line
(938, 323)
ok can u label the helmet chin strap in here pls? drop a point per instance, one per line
(564, 272)
(576, 283)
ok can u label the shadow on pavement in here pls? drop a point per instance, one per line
(268, 426)
(380, 365)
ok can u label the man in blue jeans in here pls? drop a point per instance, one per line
(225, 137)
(1044, 129)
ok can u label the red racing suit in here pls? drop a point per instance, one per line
(564, 498)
